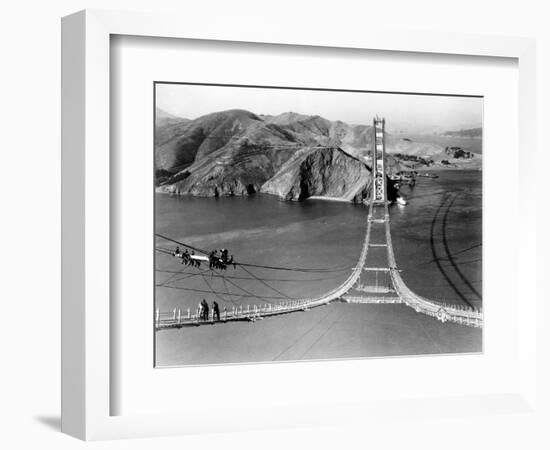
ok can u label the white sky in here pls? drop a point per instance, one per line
(412, 113)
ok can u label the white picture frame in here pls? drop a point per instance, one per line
(86, 323)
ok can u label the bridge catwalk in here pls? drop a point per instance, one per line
(358, 287)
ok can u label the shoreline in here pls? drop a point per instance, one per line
(448, 169)
(433, 169)
(329, 199)
(314, 197)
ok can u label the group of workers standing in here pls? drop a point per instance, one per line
(218, 259)
(203, 311)
(186, 257)
(221, 260)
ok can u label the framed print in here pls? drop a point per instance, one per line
(249, 238)
(224, 177)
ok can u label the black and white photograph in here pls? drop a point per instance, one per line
(305, 224)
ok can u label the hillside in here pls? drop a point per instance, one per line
(407, 146)
(294, 156)
(163, 118)
(471, 133)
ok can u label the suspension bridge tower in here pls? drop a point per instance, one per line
(378, 162)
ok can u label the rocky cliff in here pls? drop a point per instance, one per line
(321, 171)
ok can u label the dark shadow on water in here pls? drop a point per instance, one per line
(51, 422)
(436, 257)
(450, 256)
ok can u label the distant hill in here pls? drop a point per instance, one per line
(294, 156)
(284, 118)
(471, 133)
(163, 118)
(415, 147)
